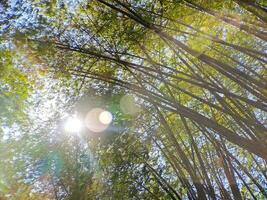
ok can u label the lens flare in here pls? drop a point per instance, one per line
(128, 105)
(105, 117)
(97, 120)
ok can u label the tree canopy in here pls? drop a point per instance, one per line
(133, 99)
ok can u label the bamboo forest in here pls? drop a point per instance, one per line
(133, 99)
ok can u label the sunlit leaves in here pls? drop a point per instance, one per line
(182, 79)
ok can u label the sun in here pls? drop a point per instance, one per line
(73, 125)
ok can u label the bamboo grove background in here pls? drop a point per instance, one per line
(197, 72)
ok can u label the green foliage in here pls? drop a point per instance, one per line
(185, 82)
(15, 89)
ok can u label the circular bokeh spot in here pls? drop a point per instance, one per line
(105, 117)
(97, 120)
(128, 105)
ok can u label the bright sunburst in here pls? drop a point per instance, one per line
(73, 125)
